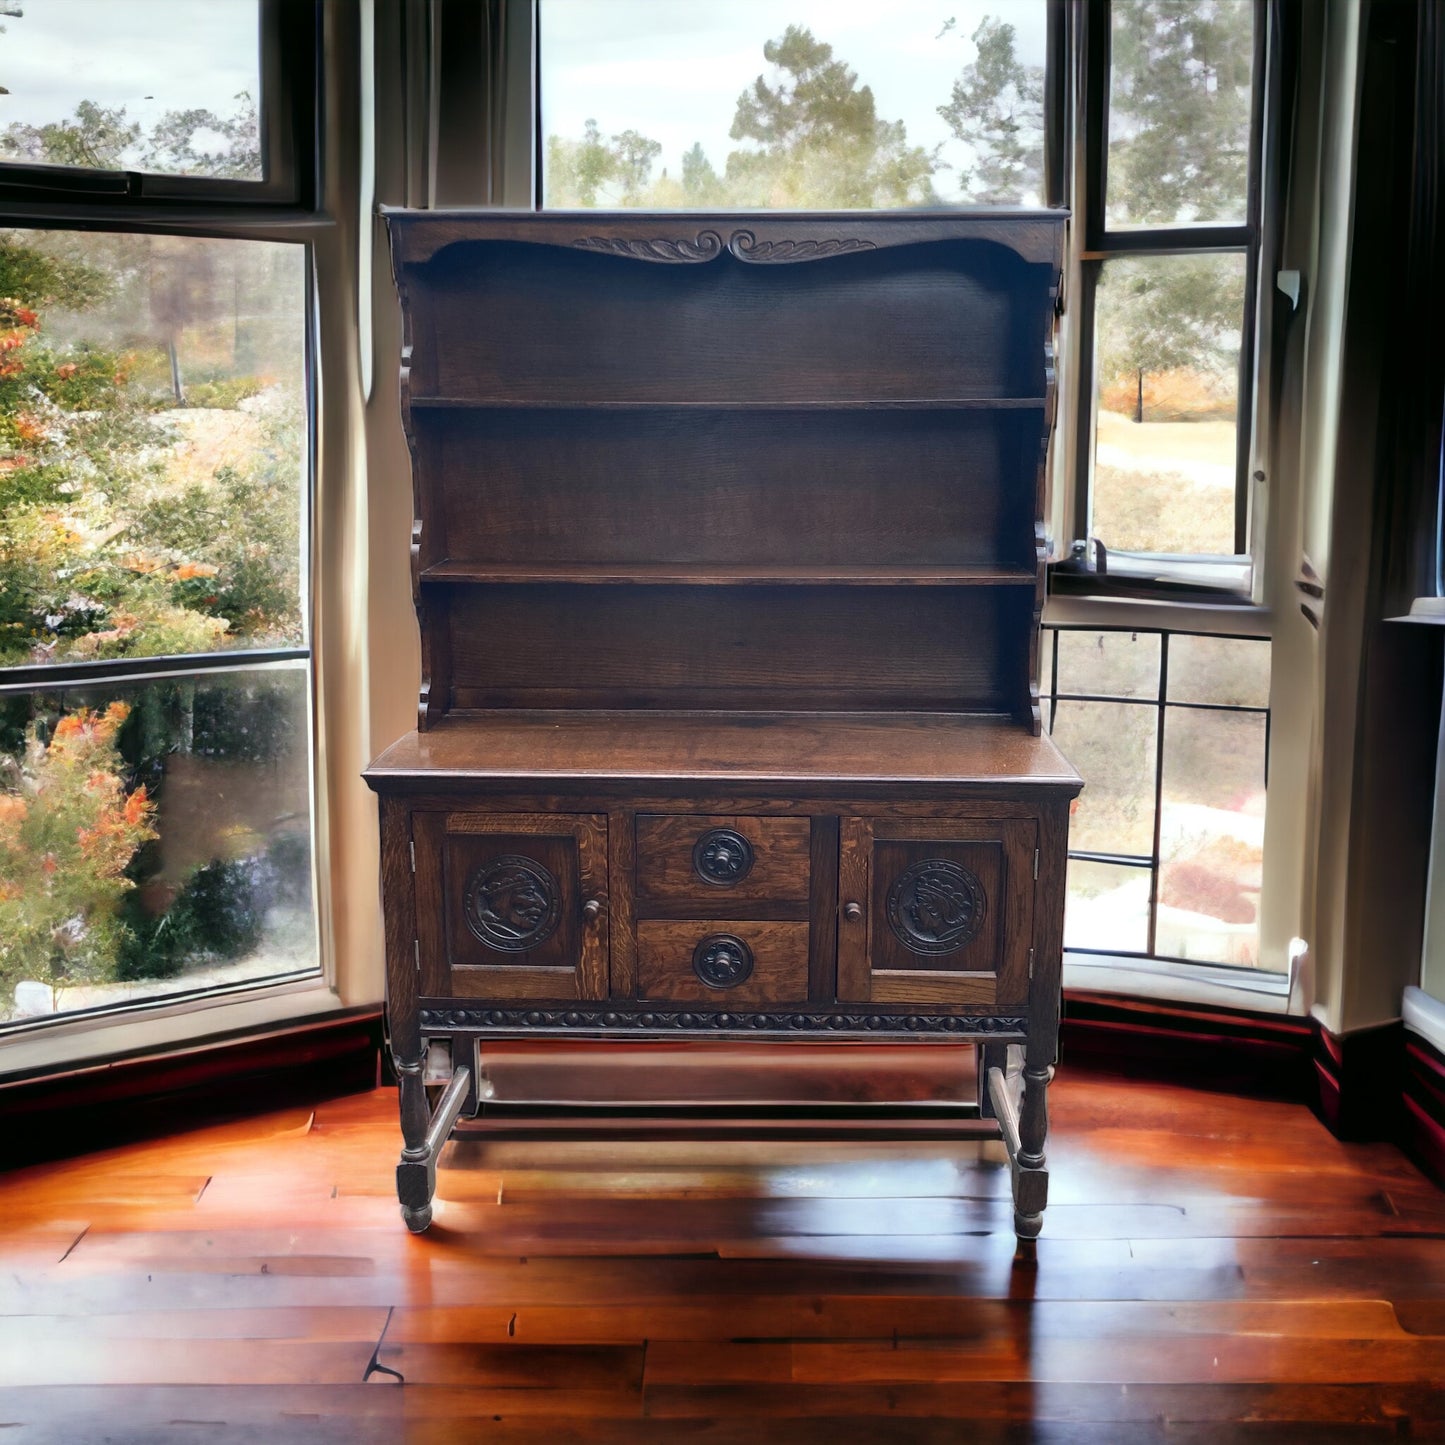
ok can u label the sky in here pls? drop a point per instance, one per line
(673, 69)
(149, 56)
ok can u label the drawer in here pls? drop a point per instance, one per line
(693, 866)
(722, 963)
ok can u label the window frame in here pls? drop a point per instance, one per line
(1161, 703)
(285, 208)
(289, 47)
(1237, 596)
(1076, 570)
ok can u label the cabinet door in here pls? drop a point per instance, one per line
(936, 913)
(512, 905)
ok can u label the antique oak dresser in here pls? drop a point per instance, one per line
(728, 563)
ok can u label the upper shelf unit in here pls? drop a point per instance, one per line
(558, 312)
(750, 463)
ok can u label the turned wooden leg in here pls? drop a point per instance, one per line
(424, 1134)
(1031, 1178)
(1020, 1104)
(416, 1172)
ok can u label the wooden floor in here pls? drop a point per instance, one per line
(1212, 1269)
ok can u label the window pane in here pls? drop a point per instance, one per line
(169, 87)
(152, 445)
(1112, 664)
(1112, 745)
(819, 104)
(154, 839)
(1179, 112)
(1107, 908)
(1211, 836)
(1229, 670)
(1167, 391)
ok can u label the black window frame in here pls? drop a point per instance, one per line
(283, 208)
(1099, 244)
(289, 33)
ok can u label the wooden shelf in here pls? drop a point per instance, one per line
(709, 574)
(936, 403)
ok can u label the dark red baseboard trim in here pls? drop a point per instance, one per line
(1377, 1084)
(1231, 1050)
(1423, 1125)
(121, 1100)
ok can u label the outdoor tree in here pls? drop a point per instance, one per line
(1179, 109)
(199, 142)
(1178, 152)
(812, 137)
(701, 185)
(577, 170)
(95, 137)
(633, 155)
(1175, 313)
(997, 111)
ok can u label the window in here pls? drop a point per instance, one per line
(1148, 118)
(1172, 104)
(1171, 731)
(156, 798)
(163, 100)
(754, 106)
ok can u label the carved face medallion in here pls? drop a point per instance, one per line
(722, 960)
(513, 904)
(935, 906)
(722, 857)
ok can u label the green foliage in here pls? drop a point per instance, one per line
(95, 137)
(224, 393)
(240, 534)
(1180, 110)
(103, 552)
(172, 148)
(217, 916)
(1169, 313)
(68, 832)
(43, 280)
(816, 139)
(810, 137)
(701, 185)
(577, 170)
(997, 109)
(98, 138)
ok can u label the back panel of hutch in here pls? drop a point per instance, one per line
(728, 561)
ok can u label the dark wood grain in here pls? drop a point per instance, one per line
(939, 649)
(726, 527)
(799, 494)
(665, 871)
(721, 1288)
(875, 324)
(786, 752)
(780, 963)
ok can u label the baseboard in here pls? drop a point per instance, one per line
(1359, 1081)
(1423, 1121)
(1377, 1084)
(119, 1101)
(1231, 1050)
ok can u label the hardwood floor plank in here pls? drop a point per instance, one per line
(1260, 1282)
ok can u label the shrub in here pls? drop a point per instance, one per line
(68, 832)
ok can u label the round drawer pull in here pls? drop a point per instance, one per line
(591, 909)
(722, 857)
(852, 912)
(722, 960)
